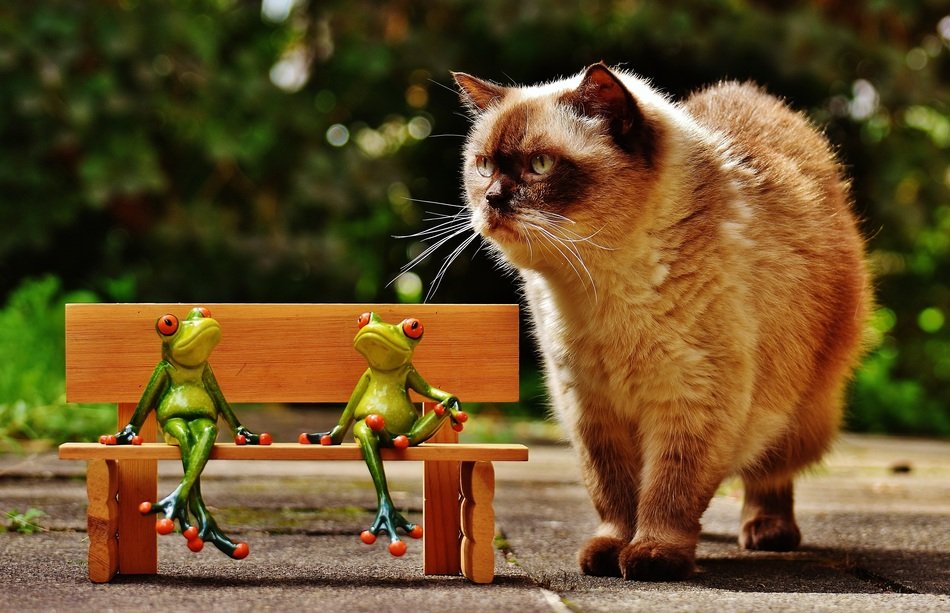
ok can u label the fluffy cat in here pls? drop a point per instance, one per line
(698, 291)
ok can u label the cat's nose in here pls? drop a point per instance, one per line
(498, 196)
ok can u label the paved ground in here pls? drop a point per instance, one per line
(875, 519)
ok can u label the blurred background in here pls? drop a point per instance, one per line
(230, 150)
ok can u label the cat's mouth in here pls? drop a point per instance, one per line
(501, 226)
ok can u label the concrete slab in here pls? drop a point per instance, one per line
(875, 519)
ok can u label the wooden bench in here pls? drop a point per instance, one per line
(292, 353)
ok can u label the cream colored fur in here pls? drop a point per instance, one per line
(698, 316)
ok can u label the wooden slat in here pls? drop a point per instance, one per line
(292, 352)
(458, 452)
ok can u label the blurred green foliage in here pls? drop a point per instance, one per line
(230, 150)
(32, 378)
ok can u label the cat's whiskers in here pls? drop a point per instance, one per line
(565, 248)
(557, 220)
(447, 228)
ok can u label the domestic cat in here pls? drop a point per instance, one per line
(698, 291)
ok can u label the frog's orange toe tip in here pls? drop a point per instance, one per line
(191, 533)
(240, 439)
(461, 417)
(136, 440)
(266, 438)
(241, 551)
(164, 526)
(416, 532)
(196, 544)
(397, 548)
(367, 537)
(326, 440)
(458, 427)
(145, 508)
(401, 442)
(302, 439)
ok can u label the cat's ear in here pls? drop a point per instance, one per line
(477, 94)
(602, 94)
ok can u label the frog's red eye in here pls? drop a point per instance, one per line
(167, 325)
(364, 319)
(412, 328)
(204, 311)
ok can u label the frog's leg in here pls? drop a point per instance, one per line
(175, 505)
(430, 423)
(209, 530)
(388, 519)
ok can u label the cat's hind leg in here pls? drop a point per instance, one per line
(768, 517)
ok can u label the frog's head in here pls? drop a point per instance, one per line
(387, 346)
(188, 342)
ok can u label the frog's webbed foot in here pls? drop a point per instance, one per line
(209, 532)
(387, 521)
(173, 507)
(205, 529)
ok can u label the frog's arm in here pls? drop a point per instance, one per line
(448, 406)
(154, 390)
(217, 396)
(241, 434)
(335, 436)
(415, 381)
(346, 419)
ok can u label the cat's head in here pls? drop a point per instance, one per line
(549, 168)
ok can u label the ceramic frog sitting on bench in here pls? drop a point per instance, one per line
(384, 415)
(187, 402)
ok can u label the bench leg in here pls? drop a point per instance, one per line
(478, 521)
(440, 514)
(138, 482)
(102, 519)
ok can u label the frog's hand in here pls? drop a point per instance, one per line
(243, 436)
(456, 414)
(126, 436)
(330, 437)
(453, 408)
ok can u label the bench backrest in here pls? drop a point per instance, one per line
(292, 352)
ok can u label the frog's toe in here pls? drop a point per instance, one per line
(210, 533)
(397, 548)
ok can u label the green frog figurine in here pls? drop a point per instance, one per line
(187, 402)
(384, 415)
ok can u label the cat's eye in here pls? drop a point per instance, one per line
(484, 166)
(542, 164)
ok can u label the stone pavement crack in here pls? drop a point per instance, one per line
(885, 584)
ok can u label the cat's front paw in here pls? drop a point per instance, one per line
(770, 533)
(600, 556)
(654, 561)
